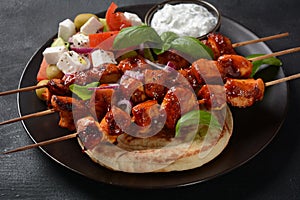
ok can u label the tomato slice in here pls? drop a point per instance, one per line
(98, 38)
(115, 20)
(42, 75)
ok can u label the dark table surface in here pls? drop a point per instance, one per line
(26, 25)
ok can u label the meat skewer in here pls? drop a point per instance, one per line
(74, 135)
(233, 45)
(221, 44)
(237, 92)
(59, 87)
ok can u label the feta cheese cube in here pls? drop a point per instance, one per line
(133, 18)
(71, 62)
(91, 26)
(52, 54)
(100, 57)
(66, 29)
(80, 40)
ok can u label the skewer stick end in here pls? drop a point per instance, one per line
(46, 142)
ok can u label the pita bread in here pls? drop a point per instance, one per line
(158, 154)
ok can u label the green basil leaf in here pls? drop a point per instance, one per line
(192, 47)
(167, 38)
(208, 49)
(148, 54)
(136, 35)
(268, 61)
(82, 91)
(198, 118)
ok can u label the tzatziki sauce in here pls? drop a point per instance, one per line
(186, 19)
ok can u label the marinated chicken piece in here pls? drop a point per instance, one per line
(100, 102)
(173, 57)
(206, 72)
(212, 97)
(234, 66)
(212, 72)
(68, 108)
(219, 44)
(115, 123)
(132, 89)
(89, 132)
(66, 120)
(110, 73)
(107, 73)
(64, 103)
(146, 112)
(131, 63)
(177, 102)
(186, 73)
(244, 92)
(155, 82)
(58, 87)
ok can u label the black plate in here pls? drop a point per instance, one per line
(254, 127)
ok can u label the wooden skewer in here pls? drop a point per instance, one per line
(73, 135)
(281, 80)
(46, 142)
(279, 53)
(260, 40)
(22, 89)
(37, 114)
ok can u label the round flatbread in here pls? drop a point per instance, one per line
(161, 154)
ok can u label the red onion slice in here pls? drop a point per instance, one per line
(109, 86)
(82, 50)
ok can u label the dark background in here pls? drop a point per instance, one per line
(26, 25)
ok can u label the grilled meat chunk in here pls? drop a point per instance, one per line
(234, 66)
(100, 102)
(58, 87)
(206, 72)
(68, 108)
(227, 66)
(177, 102)
(244, 92)
(220, 44)
(145, 112)
(131, 63)
(186, 73)
(155, 83)
(173, 57)
(110, 73)
(89, 132)
(115, 123)
(212, 97)
(107, 73)
(132, 89)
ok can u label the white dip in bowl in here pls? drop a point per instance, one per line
(185, 19)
